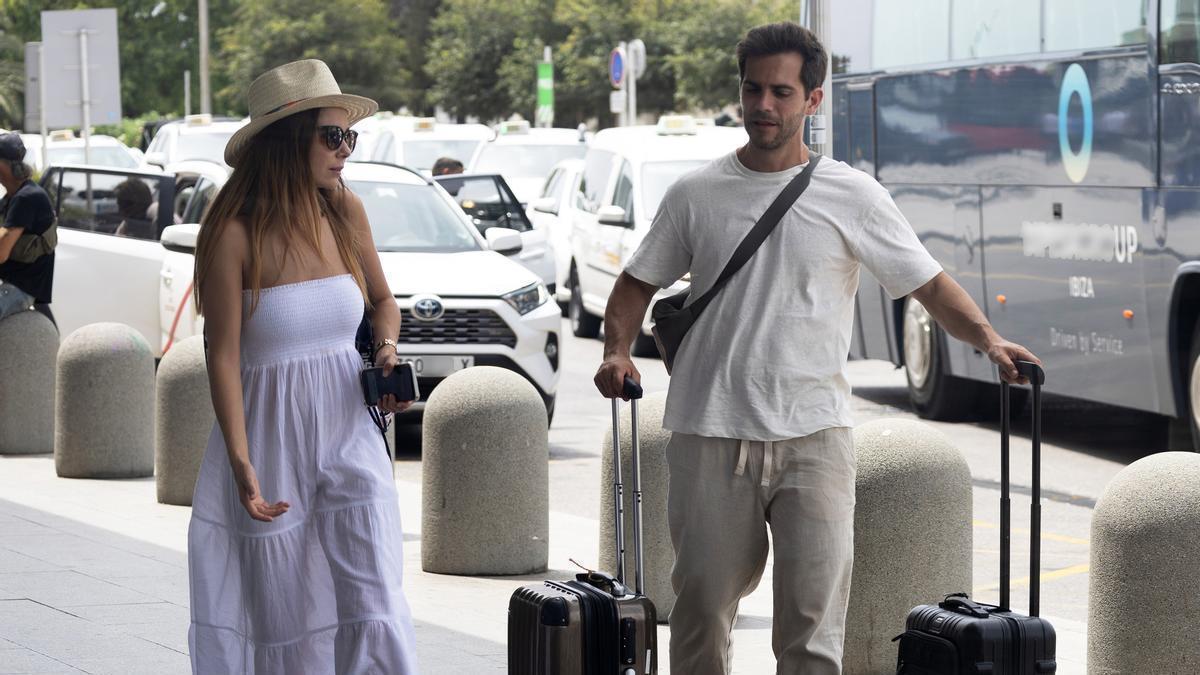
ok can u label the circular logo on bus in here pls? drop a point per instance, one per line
(428, 308)
(1074, 83)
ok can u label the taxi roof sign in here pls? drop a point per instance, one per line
(424, 124)
(510, 127)
(676, 125)
(200, 120)
(62, 135)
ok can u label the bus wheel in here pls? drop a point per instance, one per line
(1193, 408)
(934, 393)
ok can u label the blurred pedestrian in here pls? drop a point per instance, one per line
(446, 166)
(133, 201)
(759, 403)
(28, 235)
(310, 583)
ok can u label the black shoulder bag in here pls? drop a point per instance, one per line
(673, 317)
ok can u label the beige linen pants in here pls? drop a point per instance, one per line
(722, 495)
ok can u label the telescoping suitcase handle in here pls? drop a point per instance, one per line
(1037, 377)
(632, 391)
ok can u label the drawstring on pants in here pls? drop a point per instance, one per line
(768, 457)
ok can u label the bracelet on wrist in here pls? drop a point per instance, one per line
(384, 343)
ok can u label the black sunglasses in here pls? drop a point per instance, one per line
(335, 135)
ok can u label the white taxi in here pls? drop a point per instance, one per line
(195, 137)
(63, 147)
(626, 172)
(464, 302)
(525, 156)
(553, 212)
(418, 142)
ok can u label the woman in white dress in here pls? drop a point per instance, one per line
(294, 547)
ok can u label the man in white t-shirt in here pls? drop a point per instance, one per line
(759, 403)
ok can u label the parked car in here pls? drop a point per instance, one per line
(490, 203)
(63, 147)
(418, 142)
(477, 306)
(525, 156)
(626, 172)
(195, 137)
(554, 211)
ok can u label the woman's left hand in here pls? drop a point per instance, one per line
(386, 358)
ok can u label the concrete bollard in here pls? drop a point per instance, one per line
(1143, 602)
(656, 536)
(912, 535)
(183, 420)
(485, 476)
(28, 348)
(104, 410)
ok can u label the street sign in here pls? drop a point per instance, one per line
(616, 67)
(637, 58)
(616, 101)
(545, 94)
(72, 39)
(33, 83)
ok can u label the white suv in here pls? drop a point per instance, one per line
(195, 137)
(525, 156)
(418, 142)
(626, 172)
(463, 301)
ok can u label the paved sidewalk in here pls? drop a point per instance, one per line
(93, 573)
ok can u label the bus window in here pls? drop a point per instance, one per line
(911, 33)
(985, 28)
(1180, 31)
(1094, 24)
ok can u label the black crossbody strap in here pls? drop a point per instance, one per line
(762, 229)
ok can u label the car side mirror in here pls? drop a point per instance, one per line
(157, 158)
(545, 205)
(614, 215)
(180, 238)
(503, 240)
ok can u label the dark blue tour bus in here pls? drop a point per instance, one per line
(1047, 152)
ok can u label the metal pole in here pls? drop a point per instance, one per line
(187, 93)
(86, 101)
(205, 98)
(631, 78)
(42, 105)
(820, 22)
(623, 117)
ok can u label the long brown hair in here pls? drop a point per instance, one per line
(273, 191)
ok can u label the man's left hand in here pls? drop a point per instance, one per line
(1005, 354)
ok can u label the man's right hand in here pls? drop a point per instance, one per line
(610, 378)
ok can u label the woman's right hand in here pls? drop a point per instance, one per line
(251, 496)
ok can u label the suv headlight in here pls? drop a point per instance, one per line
(527, 299)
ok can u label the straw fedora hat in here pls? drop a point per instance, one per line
(289, 89)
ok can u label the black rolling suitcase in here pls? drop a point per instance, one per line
(960, 637)
(592, 625)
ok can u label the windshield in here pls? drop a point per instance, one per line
(413, 218)
(106, 156)
(525, 161)
(421, 155)
(209, 146)
(658, 176)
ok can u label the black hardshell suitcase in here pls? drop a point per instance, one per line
(593, 625)
(961, 637)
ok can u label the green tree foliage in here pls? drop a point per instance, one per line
(12, 78)
(357, 38)
(415, 18)
(159, 39)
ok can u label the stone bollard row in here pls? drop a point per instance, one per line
(485, 476)
(1143, 597)
(28, 349)
(183, 420)
(659, 555)
(912, 535)
(104, 405)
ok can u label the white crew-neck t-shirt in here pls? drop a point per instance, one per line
(766, 360)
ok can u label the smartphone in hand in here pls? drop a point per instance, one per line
(402, 384)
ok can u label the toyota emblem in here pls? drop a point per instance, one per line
(428, 308)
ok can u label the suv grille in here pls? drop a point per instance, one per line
(458, 327)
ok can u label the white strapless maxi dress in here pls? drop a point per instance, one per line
(317, 590)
